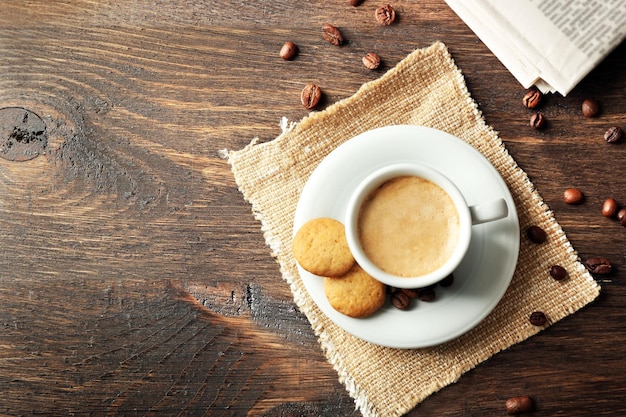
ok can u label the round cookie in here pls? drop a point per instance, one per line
(356, 294)
(320, 247)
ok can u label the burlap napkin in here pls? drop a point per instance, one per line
(426, 88)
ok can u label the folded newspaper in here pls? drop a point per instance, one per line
(550, 44)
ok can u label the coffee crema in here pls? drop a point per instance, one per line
(409, 226)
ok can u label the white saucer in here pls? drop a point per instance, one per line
(484, 274)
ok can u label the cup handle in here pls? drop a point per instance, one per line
(488, 212)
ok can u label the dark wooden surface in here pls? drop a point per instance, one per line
(134, 279)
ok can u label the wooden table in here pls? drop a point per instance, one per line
(134, 279)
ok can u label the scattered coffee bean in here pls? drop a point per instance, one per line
(591, 108)
(332, 34)
(609, 208)
(311, 95)
(613, 134)
(532, 98)
(521, 404)
(536, 234)
(355, 2)
(537, 121)
(538, 318)
(599, 265)
(621, 216)
(386, 15)
(411, 292)
(427, 294)
(288, 51)
(558, 272)
(371, 61)
(400, 300)
(573, 196)
(447, 281)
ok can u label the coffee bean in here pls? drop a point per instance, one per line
(355, 2)
(599, 265)
(613, 134)
(558, 272)
(521, 404)
(386, 15)
(609, 208)
(536, 234)
(427, 294)
(537, 121)
(311, 95)
(538, 318)
(371, 61)
(573, 196)
(621, 216)
(332, 34)
(591, 108)
(532, 98)
(447, 281)
(288, 51)
(400, 300)
(411, 292)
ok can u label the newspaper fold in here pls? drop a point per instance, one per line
(552, 45)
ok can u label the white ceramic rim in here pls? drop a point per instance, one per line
(484, 274)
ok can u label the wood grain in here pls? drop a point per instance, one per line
(134, 279)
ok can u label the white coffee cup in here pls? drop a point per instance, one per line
(435, 181)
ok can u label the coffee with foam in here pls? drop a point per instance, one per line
(409, 226)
